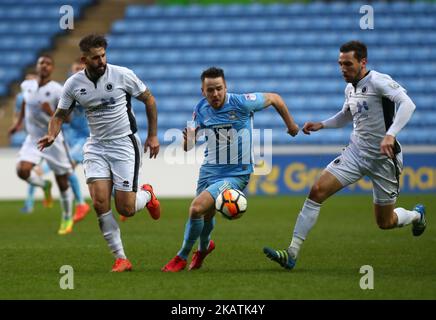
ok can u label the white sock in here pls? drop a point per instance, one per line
(142, 197)
(35, 180)
(406, 217)
(294, 247)
(111, 233)
(66, 201)
(305, 221)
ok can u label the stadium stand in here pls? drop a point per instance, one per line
(286, 48)
(291, 49)
(26, 28)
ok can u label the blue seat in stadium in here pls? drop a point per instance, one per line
(291, 49)
(26, 28)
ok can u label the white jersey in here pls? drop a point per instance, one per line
(106, 102)
(373, 110)
(36, 120)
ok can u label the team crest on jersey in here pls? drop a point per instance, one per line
(47, 93)
(364, 89)
(232, 115)
(109, 87)
(82, 91)
(250, 96)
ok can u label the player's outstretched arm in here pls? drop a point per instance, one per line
(312, 126)
(339, 120)
(275, 100)
(54, 127)
(152, 141)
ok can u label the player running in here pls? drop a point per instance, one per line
(112, 154)
(226, 119)
(40, 97)
(370, 101)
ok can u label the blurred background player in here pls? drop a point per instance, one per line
(39, 169)
(79, 132)
(112, 154)
(370, 101)
(76, 131)
(40, 97)
(221, 113)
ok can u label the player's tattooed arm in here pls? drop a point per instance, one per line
(63, 114)
(152, 141)
(275, 100)
(54, 127)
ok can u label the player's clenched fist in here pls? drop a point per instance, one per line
(312, 126)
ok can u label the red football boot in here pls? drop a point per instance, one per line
(153, 206)
(175, 265)
(198, 257)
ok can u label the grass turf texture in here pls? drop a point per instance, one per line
(344, 239)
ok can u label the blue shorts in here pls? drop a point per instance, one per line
(217, 185)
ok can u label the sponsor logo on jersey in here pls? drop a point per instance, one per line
(250, 96)
(360, 106)
(82, 91)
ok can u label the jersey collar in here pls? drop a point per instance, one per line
(363, 80)
(96, 81)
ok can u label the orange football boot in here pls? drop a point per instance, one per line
(121, 265)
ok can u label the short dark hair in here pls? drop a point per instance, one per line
(92, 41)
(212, 72)
(358, 47)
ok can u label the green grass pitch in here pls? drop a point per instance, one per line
(344, 239)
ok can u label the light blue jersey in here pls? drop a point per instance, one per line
(78, 127)
(18, 102)
(228, 132)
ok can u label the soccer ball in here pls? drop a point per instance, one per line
(232, 203)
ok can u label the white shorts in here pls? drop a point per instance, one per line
(349, 167)
(57, 155)
(118, 160)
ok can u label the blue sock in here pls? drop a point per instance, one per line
(30, 196)
(74, 182)
(193, 230)
(45, 168)
(205, 234)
